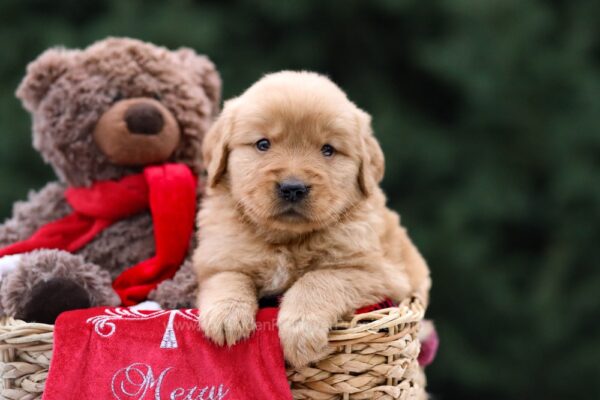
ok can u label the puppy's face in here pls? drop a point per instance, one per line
(294, 153)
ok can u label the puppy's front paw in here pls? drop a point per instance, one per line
(228, 322)
(303, 340)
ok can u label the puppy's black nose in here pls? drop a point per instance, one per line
(144, 119)
(292, 190)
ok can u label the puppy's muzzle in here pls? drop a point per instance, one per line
(292, 190)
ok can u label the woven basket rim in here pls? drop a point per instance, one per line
(408, 311)
(354, 329)
(369, 324)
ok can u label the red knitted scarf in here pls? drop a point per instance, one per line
(168, 190)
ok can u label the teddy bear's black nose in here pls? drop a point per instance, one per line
(144, 119)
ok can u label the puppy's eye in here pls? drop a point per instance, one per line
(327, 150)
(263, 144)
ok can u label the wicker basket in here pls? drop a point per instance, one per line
(375, 357)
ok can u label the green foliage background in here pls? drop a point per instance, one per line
(488, 114)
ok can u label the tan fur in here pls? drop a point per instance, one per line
(347, 250)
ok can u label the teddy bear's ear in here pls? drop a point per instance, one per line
(205, 73)
(41, 74)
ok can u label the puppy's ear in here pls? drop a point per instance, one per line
(215, 147)
(42, 73)
(372, 165)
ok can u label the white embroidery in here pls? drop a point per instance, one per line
(169, 340)
(146, 305)
(104, 325)
(136, 380)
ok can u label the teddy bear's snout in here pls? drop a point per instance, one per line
(144, 119)
(137, 131)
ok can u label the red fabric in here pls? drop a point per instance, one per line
(170, 192)
(136, 358)
(429, 348)
(387, 303)
(173, 208)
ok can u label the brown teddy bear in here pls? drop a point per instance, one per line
(121, 122)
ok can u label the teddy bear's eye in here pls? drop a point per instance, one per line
(157, 96)
(117, 97)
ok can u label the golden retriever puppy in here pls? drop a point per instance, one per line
(293, 206)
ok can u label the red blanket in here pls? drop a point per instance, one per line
(119, 353)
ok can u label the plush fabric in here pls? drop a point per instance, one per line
(179, 292)
(173, 207)
(18, 290)
(125, 354)
(168, 190)
(68, 90)
(40, 207)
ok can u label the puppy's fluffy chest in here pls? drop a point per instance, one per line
(283, 264)
(283, 268)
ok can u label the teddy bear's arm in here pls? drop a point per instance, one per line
(41, 207)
